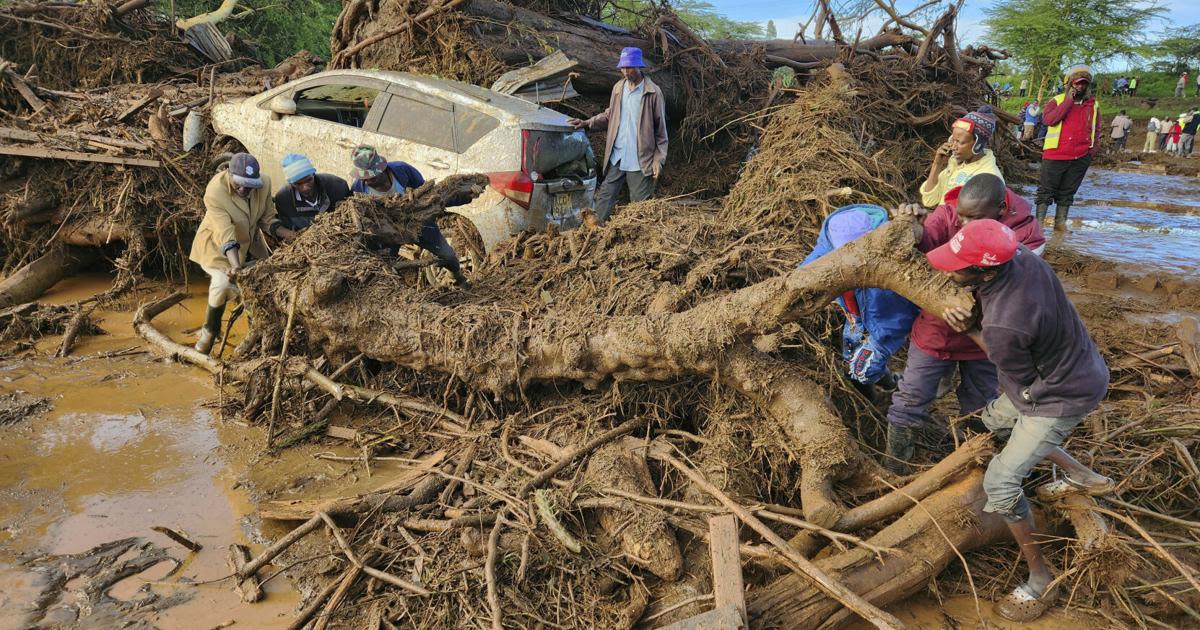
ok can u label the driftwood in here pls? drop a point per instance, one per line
(32, 280)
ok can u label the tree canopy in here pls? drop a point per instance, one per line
(701, 16)
(1048, 35)
(1178, 49)
(771, 32)
(278, 28)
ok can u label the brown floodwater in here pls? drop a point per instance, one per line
(129, 444)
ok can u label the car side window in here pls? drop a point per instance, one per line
(420, 122)
(340, 103)
(471, 125)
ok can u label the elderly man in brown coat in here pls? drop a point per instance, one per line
(636, 146)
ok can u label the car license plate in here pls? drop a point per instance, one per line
(562, 201)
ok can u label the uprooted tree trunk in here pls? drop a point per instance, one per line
(517, 36)
(29, 282)
(363, 307)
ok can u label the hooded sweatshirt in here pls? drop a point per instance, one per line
(929, 332)
(877, 320)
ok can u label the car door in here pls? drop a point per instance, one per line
(419, 129)
(333, 115)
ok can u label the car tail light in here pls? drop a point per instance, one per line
(516, 185)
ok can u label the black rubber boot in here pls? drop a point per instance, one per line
(1042, 209)
(901, 446)
(1060, 217)
(211, 331)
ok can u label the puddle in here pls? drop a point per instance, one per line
(128, 445)
(1136, 235)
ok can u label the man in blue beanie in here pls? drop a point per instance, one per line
(636, 146)
(306, 194)
(877, 320)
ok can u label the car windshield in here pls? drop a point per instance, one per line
(559, 153)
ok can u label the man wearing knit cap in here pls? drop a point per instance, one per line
(961, 157)
(877, 320)
(636, 146)
(375, 176)
(1072, 122)
(237, 206)
(306, 194)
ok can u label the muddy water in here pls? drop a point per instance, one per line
(1142, 222)
(128, 445)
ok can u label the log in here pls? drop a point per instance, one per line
(791, 602)
(78, 156)
(29, 282)
(643, 536)
(247, 587)
(728, 587)
(519, 37)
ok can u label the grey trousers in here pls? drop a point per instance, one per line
(641, 187)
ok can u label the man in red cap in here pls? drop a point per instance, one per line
(936, 350)
(1072, 122)
(636, 146)
(1051, 376)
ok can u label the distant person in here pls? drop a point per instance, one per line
(1051, 376)
(1173, 137)
(306, 193)
(1152, 128)
(1187, 134)
(636, 146)
(1024, 87)
(1133, 83)
(1072, 122)
(1121, 125)
(877, 320)
(376, 176)
(1030, 121)
(237, 206)
(962, 156)
(1181, 85)
(936, 349)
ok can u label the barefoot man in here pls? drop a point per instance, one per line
(1051, 376)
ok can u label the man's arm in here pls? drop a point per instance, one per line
(1053, 113)
(660, 134)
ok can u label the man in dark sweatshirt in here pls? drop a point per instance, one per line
(1051, 376)
(307, 193)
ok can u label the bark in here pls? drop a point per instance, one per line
(29, 282)
(925, 539)
(642, 535)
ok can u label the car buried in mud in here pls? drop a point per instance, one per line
(541, 171)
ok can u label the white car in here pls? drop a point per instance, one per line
(540, 169)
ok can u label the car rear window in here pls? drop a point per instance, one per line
(559, 153)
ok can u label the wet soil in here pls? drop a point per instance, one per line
(127, 444)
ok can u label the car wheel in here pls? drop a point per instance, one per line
(467, 243)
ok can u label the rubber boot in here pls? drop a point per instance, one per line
(901, 446)
(211, 330)
(1060, 217)
(1042, 209)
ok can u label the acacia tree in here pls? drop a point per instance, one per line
(1045, 36)
(1179, 48)
(771, 32)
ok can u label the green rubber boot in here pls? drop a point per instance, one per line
(901, 446)
(1042, 210)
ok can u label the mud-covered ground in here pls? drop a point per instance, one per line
(123, 442)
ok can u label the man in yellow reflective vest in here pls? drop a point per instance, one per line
(1072, 120)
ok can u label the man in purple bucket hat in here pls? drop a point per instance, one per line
(636, 146)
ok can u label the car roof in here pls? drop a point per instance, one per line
(503, 106)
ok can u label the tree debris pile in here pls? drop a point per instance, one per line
(613, 379)
(86, 45)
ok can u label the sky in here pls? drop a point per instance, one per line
(788, 15)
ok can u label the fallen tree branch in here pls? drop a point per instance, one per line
(801, 565)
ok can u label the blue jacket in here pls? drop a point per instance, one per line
(404, 173)
(883, 318)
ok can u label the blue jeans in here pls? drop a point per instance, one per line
(918, 388)
(432, 241)
(1028, 439)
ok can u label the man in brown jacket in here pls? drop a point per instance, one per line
(237, 205)
(636, 146)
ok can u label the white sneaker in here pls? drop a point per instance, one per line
(204, 340)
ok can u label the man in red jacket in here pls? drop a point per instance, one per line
(937, 349)
(1072, 122)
